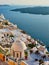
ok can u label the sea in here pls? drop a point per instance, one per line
(37, 26)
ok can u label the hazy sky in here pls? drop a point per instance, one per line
(25, 2)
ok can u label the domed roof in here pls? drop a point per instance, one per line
(18, 46)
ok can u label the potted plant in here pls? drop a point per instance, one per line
(26, 55)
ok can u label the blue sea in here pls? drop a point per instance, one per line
(35, 25)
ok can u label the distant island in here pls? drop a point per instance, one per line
(34, 10)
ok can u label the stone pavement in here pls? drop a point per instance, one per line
(3, 63)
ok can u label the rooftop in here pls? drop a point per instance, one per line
(18, 46)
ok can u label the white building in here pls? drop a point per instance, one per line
(17, 49)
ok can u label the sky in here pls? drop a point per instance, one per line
(25, 2)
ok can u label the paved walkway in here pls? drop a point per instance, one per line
(3, 63)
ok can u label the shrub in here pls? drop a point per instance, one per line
(11, 35)
(31, 45)
(26, 53)
(6, 23)
(41, 61)
(47, 52)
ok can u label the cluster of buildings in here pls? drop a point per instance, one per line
(19, 46)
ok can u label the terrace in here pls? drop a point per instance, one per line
(35, 59)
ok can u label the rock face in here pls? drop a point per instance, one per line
(3, 63)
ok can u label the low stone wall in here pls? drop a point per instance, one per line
(10, 62)
(23, 63)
